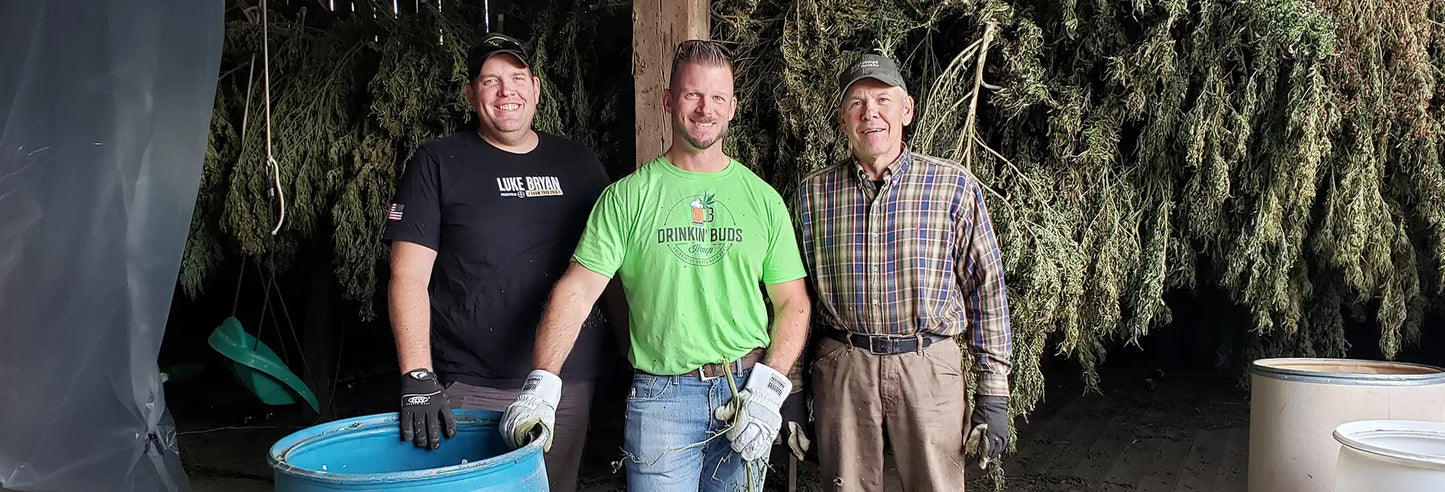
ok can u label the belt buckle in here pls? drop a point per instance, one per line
(702, 374)
(873, 345)
(721, 370)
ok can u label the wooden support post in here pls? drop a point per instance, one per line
(657, 27)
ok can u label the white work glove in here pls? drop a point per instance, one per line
(534, 413)
(754, 414)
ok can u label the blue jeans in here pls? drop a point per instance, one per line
(673, 442)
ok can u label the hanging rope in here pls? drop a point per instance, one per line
(275, 167)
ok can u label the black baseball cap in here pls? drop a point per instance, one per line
(870, 66)
(492, 45)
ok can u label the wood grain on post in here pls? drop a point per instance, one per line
(657, 27)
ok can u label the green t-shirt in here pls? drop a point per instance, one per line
(691, 250)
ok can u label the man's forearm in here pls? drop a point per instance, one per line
(789, 334)
(410, 323)
(561, 323)
(990, 336)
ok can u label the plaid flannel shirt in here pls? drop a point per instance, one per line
(915, 255)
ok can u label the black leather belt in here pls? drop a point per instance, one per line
(887, 344)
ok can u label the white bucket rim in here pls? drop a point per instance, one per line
(1281, 368)
(1351, 435)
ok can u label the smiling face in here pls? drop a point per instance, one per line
(873, 116)
(701, 104)
(504, 95)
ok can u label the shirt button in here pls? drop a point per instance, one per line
(875, 268)
(875, 301)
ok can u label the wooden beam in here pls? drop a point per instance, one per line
(657, 27)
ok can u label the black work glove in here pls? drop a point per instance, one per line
(424, 410)
(991, 411)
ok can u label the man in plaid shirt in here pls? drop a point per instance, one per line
(903, 258)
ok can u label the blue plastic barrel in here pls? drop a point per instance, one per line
(367, 453)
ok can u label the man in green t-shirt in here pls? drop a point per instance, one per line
(692, 236)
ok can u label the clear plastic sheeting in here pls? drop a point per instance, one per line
(104, 112)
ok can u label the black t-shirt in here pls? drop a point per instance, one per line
(504, 227)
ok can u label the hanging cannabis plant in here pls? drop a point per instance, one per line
(1281, 151)
(350, 101)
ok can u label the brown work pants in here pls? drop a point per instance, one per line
(915, 402)
(570, 434)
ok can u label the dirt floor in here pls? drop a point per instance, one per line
(1147, 431)
(1151, 431)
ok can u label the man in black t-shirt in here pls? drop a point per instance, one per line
(482, 225)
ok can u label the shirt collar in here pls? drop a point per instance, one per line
(898, 167)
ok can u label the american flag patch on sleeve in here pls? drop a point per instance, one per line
(394, 213)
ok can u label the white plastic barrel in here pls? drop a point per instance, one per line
(1295, 405)
(1393, 455)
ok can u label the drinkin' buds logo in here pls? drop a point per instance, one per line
(703, 232)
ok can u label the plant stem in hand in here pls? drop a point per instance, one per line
(737, 405)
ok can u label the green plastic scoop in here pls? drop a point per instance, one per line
(257, 367)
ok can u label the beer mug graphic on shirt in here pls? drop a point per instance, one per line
(702, 210)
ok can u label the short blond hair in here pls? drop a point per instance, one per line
(699, 51)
